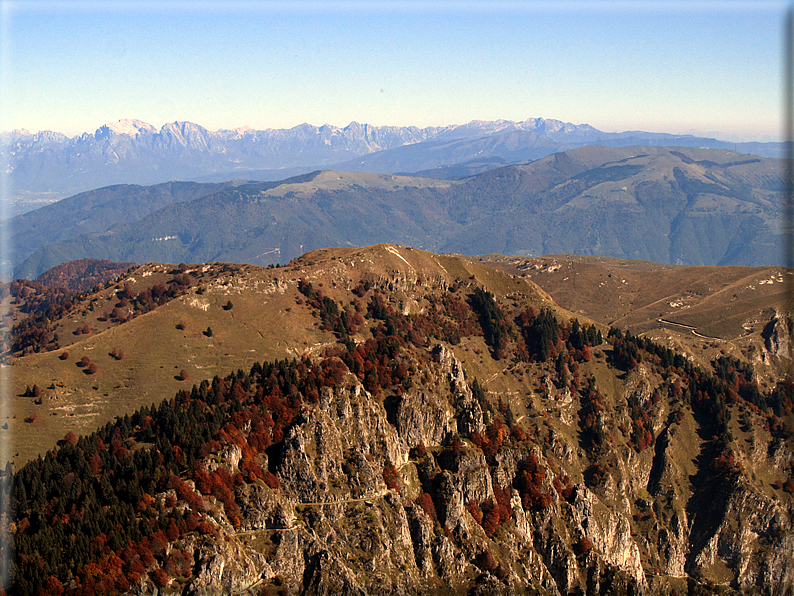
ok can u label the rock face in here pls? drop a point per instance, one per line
(777, 335)
(335, 527)
(408, 454)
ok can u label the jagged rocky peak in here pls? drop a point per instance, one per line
(185, 133)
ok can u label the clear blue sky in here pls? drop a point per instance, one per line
(658, 66)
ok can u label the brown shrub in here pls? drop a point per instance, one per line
(584, 545)
(271, 480)
(425, 501)
(487, 561)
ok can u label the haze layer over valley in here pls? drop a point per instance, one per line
(46, 166)
(681, 205)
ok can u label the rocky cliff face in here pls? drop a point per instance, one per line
(433, 438)
(335, 527)
(777, 335)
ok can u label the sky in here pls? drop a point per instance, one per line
(710, 67)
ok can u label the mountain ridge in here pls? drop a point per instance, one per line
(668, 205)
(398, 421)
(49, 165)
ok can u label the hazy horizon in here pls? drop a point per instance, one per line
(716, 134)
(668, 66)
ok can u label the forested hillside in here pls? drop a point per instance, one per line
(452, 430)
(689, 206)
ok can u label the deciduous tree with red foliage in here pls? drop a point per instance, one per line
(271, 480)
(425, 501)
(391, 476)
(529, 480)
(178, 564)
(473, 508)
(583, 545)
(159, 577)
(172, 531)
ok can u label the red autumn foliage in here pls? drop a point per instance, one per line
(490, 520)
(425, 501)
(584, 545)
(145, 553)
(487, 561)
(158, 542)
(271, 480)
(205, 528)
(135, 570)
(191, 521)
(178, 564)
(475, 511)
(172, 532)
(529, 480)
(725, 464)
(53, 587)
(159, 577)
(391, 476)
(251, 470)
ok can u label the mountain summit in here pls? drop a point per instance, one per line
(385, 420)
(48, 166)
(131, 128)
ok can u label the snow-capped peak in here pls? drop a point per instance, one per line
(130, 127)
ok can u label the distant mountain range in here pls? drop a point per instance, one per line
(47, 166)
(689, 206)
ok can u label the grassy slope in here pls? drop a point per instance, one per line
(260, 320)
(257, 328)
(265, 323)
(728, 305)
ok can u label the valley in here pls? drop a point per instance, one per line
(686, 206)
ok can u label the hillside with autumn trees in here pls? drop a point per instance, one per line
(37, 313)
(436, 427)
